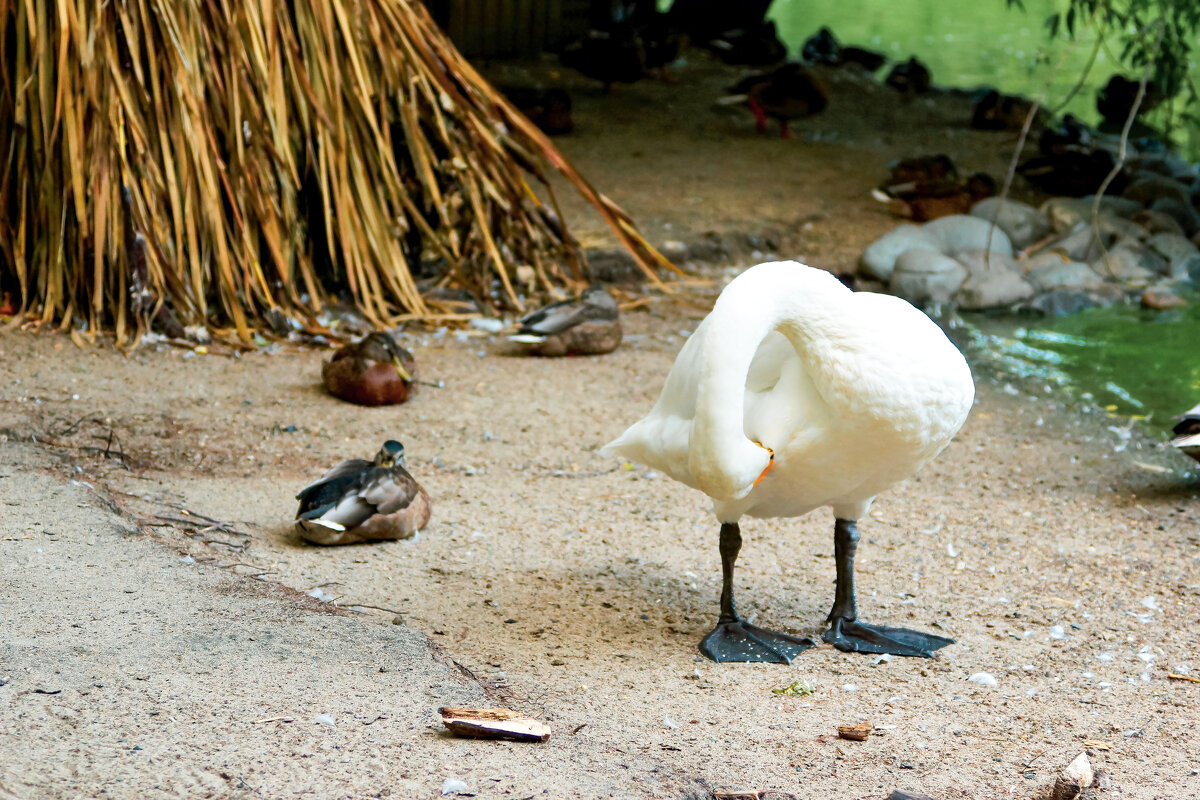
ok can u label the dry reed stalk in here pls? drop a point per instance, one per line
(171, 163)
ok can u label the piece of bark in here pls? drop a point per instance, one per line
(899, 795)
(493, 723)
(856, 733)
(1074, 779)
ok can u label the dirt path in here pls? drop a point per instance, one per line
(578, 588)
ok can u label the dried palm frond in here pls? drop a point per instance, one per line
(235, 165)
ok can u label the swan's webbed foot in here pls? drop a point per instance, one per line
(852, 636)
(738, 640)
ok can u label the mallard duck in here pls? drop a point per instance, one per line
(787, 93)
(586, 325)
(1004, 112)
(549, 109)
(909, 76)
(1187, 433)
(924, 201)
(796, 393)
(374, 371)
(360, 500)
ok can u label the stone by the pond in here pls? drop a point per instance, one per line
(1148, 187)
(879, 259)
(1161, 299)
(1061, 302)
(1065, 213)
(613, 266)
(1157, 222)
(1058, 274)
(993, 289)
(922, 276)
(978, 260)
(1131, 264)
(1182, 213)
(1176, 249)
(959, 232)
(1191, 269)
(1023, 223)
(1084, 242)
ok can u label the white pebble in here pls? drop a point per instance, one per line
(489, 324)
(187, 560)
(849, 687)
(670, 723)
(882, 659)
(1105, 657)
(454, 786)
(1151, 602)
(1057, 632)
(325, 719)
(984, 679)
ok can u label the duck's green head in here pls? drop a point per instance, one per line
(391, 454)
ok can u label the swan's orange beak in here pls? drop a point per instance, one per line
(770, 463)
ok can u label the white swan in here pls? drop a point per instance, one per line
(795, 393)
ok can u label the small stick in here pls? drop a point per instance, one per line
(1187, 678)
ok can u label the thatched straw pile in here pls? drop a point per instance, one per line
(234, 165)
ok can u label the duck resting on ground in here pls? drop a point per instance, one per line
(360, 500)
(374, 371)
(1187, 433)
(586, 325)
(796, 393)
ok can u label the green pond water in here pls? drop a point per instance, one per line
(971, 44)
(1125, 359)
(1132, 362)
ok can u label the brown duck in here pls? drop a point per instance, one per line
(374, 371)
(360, 500)
(587, 325)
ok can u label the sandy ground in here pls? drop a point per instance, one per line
(1060, 553)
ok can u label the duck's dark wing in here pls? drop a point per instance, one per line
(377, 490)
(346, 477)
(558, 317)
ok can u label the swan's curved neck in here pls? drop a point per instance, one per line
(805, 311)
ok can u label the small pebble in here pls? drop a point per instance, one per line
(325, 719)
(670, 723)
(849, 687)
(984, 679)
(1057, 632)
(489, 324)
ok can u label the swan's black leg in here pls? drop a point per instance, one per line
(734, 639)
(845, 632)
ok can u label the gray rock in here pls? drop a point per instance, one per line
(674, 250)
(1063, 275)
(1085, 242)
(1191, 269)
(926, 276)
(1157, 222)
(1065, 213)
(1122, 228)
(613, 266)
(879, 259)
(710, 247)
(1148, 187)
(992, 289)
(959, 232)
(1023, 223)
(1176, 249)
(1131, 265)
(977, 261)
(1182, 213)
(1061, 302)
